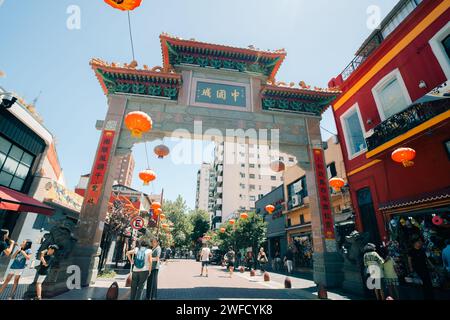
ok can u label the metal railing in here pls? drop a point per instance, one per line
(406, 120)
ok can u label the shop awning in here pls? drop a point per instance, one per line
(430, 197)
(15, 201)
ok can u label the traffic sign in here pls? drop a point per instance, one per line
(137, 223)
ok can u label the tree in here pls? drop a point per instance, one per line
(175, 212)
(200, 226)
(251, 232)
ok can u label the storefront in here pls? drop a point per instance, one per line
(426, 218)
(300, 239)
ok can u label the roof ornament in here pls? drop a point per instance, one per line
(303, 85)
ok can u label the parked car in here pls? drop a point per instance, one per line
(217, 256)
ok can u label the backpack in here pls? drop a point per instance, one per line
(139, 260)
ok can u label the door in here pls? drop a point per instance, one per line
(368, 215)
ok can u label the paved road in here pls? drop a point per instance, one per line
(180, 280)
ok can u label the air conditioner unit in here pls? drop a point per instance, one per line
(295, 201)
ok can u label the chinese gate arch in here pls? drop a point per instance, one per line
(205, 89)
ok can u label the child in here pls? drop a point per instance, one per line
(390, 277)
(19, 258)
(47, 259)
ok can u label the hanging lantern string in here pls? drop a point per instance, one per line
(146, 155)
(131, 35)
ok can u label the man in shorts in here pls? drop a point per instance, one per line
(205, 254)
(47, 258)
(230, 258)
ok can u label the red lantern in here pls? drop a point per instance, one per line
(156, 205)
(244, 215)
(165, 225)
(138, 122)
(222, 230)
(207, 238)
(124, 5)
(161, 151)
(231, 221)
(404, 156)
(270, 208)
(147, 176)
(437, 220)
(337, 183)
(158, 211)
(277, 166)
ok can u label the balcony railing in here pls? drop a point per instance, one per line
(406, 120)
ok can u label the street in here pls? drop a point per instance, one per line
(180, 280)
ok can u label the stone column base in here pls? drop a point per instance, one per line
(328, 269)
(87, 258)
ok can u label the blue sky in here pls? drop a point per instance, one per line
(39, 53)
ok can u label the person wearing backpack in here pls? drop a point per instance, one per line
(141, 264)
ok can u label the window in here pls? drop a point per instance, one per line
(354, 135)
(273, 178)
(251, 165)
(440, 44)
(15, 165)
(242, 174)
(251, 187)
(391, 95)
(296, 192)
(252, 198)
(291, 159)
(252, 176)
(331, 170)
(242, 185)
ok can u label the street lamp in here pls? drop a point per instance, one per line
(7, 100)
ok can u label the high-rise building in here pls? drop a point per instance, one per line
(124, 171)
(242, 178)
(205, 184)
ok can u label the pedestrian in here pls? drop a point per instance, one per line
(167, 254)
(277, 261)
(47, 259)
(238, 259)
(6, 244)
(418, 263)
(262, 259)
(374, 268)
(141, 263)
(152, 282)
(288, 260)
(205, 254)
(19, 258)
(230, 258)
(390, 277)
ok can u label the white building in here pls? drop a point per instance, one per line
(205, 187)
(242, 178)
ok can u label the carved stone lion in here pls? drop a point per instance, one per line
(353, 246)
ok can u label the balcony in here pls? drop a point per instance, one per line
(219, 190)
(406, 120)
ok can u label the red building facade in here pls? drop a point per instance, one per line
(386, 104)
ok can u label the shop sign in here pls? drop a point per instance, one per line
(58, 194)
(324, 195)
(100, 165)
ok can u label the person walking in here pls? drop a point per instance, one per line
(288, 260)
(262, 259)
(230, 258)
(419, 263)
(47, 258)
(20, 258)
(374, 268)
(167, 254)
(152, 282)
(205, 254)
(141, 263)
(6, 244)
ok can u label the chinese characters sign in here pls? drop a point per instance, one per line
(100, 166)
(222, 94)
(324, 194)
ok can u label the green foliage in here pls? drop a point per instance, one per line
(199, 220)
(175, 212)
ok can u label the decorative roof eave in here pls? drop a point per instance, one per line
(156, 74)
(277, 56)
(300, 93)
